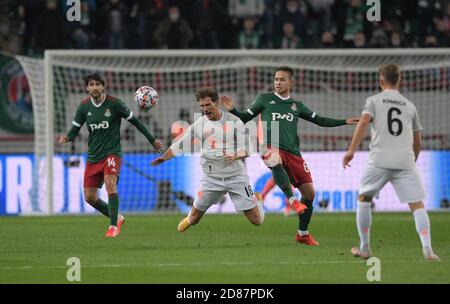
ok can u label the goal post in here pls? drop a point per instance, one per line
(333, 83)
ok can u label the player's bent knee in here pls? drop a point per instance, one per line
(309, 197)
(365, 199)
(272, 160)
(91, 199)
(111, 188)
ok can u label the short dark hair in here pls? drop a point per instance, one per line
(95, 77)
(390, 73)
(286, 69)
(207, 92)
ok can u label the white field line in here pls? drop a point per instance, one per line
(164, 265)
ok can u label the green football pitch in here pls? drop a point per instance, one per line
(221, 249)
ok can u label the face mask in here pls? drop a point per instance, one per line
(174, 17)
(292, 7)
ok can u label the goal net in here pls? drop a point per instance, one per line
(333, 83)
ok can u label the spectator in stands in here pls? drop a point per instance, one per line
(114, 24)
(430, 41)
(268, 22)
(379, 38)
(297, 12)
(396, 40)
(359, 40)
(206, 12)
(442, 26)
(289, 39)
(174, 32)
(82, 33)
(321, 20)
(426, 10)
(154, 12)
(9, 31)
(249, 38)
(240, 9)
(327, 40)
(50, 29)
(351, 20)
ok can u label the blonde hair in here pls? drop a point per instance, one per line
(391, 73)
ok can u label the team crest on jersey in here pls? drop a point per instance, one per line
(294, 107)
(108, 113)
(272, 102)
(89, 113)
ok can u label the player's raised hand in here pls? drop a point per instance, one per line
(347, 158)
(63, 139)
(157, 161)
(158, 146)
(229, 158)
(227, 102)
(235, 156)
(352, 120)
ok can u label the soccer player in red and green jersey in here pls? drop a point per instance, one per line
(283, 157)
(102, 115)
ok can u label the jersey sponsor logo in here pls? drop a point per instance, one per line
(272, 102)
(103, 125)
(89, 113)
(279, 116)
(108, 113)
(294, 107)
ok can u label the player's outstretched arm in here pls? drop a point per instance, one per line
(322, 121)
(63, 139)
(352, 121)
(228, 104)
(73, 132)
(165, 157)
(358, 135)
(155, 143)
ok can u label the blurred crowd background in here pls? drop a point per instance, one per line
(31, 26)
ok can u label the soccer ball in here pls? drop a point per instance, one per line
(146, 98)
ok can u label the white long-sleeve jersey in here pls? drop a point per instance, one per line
(218, 138)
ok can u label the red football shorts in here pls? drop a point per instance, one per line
(295, 166)
(95, 172)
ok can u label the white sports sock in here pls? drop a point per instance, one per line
(291, 200)
(261, 210)
(303, 233)
(189, 217)
(363, 222)
(423, 226)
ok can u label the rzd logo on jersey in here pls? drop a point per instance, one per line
(103, 125)
(278, 116)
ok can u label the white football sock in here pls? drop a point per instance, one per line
(261, 210)
(189, 217)
(363, 222)
(423, 226)
(291, 200)
(303, 233)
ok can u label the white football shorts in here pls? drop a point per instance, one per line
(407, 183)
(213, 188)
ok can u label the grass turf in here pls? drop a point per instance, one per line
(221, 249)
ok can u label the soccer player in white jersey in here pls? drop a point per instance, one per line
(395, 146)
(223, 148)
